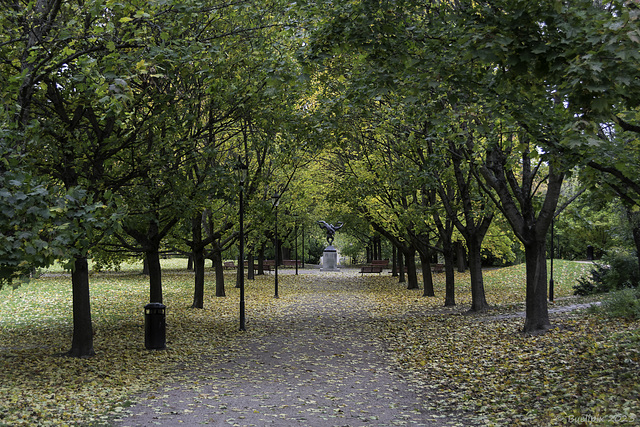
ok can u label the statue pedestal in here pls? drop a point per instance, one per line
(330, 259)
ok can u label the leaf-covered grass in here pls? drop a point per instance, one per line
(586, 367)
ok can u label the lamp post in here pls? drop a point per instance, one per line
(551, 284)
(242, 176)
(295, 234)
(276, 202)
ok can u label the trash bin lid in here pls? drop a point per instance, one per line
(155, 305)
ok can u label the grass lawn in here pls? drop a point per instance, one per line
(586, 367)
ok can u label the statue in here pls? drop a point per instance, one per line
(331, 229)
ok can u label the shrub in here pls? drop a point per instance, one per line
(624, 303)
(619, 270)
(594, 284)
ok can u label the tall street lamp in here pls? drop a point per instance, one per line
(295, 234)
(242, 177)
(551, 284)
(276, 202)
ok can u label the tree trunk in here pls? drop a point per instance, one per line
(190, 263)
(82, 342)
(216, 257)
(261, 260)
(449, 254)
(536, 265)
(478, 299)
(155, 276)
(450, 293)
(197, 257)
(402, 277)
(239, 271)
(634, 220)
(461, 259)
(427, 279)
(198, 292)
(394, 261)
(410, 261)
(636, 239)
(145, 266)
(250, 269)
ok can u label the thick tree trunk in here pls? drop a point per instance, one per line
(427, 279)
(536, 301)
(478, 299)
(198, 292)
(155, 276)
(250, 269)
(394, 262)
(216, 257)
(239, 271)
(450, 292)
(82, 342)
(449, 254)
(261, 260)
(197, 257)
(412, 276)
(145, 266)
(461, 259)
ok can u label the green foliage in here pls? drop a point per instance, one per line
(590, 221)
(624, 304)
(594, 284)
(314, 251)
(40, 224)
(27, 214)
(618, 270)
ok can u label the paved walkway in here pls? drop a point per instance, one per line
(319, 363)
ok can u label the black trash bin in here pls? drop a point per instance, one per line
(155, 326)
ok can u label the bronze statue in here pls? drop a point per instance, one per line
(331, 229)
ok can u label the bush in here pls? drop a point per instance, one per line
(624, 304)
(619, 270)
(594, 284)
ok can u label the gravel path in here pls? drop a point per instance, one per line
(318, 362)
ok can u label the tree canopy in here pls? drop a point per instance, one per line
(433, 124)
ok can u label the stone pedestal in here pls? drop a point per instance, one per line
(330, 259)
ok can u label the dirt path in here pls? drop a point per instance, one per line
(316, 362)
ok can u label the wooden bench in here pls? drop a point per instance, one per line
(229, 265)
(437, 268)
(290, 262)
(268, 265)
(384, 263)
(371, 269)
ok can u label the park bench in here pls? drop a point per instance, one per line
(437, 268)
(268, 265)
(384, 263)
(290, 262)
(371, 269)
(229, 265)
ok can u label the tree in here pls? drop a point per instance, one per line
(64, 113)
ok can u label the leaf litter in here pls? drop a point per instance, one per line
(333, 350)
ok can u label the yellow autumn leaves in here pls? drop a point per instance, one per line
(476, 365)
